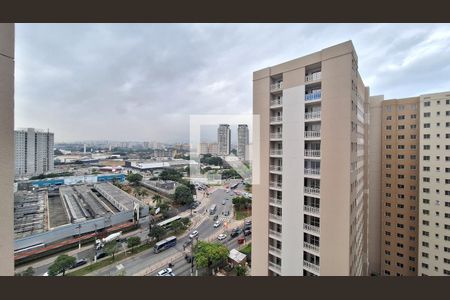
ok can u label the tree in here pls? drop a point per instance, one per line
(28, 272)
(157, 199)
(134, 178)
(111, 248)
(156, 232)
(170, 174)
(133, 241)
(185, 221)
(241, 270)
(164, 209)
(183, 195)
(61, 264)
(241, 203)
(177, 226)
(209, 255)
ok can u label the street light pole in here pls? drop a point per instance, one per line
(79, 236)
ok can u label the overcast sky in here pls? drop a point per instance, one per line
(142, 81)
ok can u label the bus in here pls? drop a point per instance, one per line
(168, 222)
(212, 209)
(162, 245)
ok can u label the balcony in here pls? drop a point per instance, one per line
(276, 102)
(311, 190)
(276, 119)
(313, 77)
(311, 247)
(275, 184)
(276, 136)
(312, 172)
(274, 267)
(275, 234)
(275, 168)
(311, 267)
(311, 228)
(276, 152)
(275, 201)
(314, 96)
(312, 153)
(312, 116)
(275, 250)
(277, 86)
(275, 217)
(312, 134)
(311, 210)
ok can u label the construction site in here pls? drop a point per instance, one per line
(48, 215)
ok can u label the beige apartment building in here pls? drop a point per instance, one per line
(312, 198)
(6, 147)
(434, 186)
(399, 186)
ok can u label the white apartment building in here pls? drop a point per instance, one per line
(243, 142)
(33, 152)
(434, 186)
(224, 139)
(312, 198)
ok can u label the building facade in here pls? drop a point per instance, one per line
(33, 152)
(312, 196)
(243, 142)
(399, 186)
(6, 148)
(224, 139)
(209, 148)
(434, 185)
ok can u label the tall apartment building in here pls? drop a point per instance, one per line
(399, 186)
(6, 147)
(243, 142)
(434, 186)
(209, 148)
(313, 191)
(224, 139)
(33, 151)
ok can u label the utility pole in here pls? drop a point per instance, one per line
(79, 236)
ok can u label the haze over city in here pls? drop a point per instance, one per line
(142, 81)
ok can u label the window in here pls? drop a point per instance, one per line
(401, 117)
(426, 136)
(426, 115)
(388, 137)
(426, 125)
(413, 126)
(413, 116)
(389, 127)
(388, 118)
(426, 147)
(401, 137)
(401, 127)
(388, 146)
(426, 103)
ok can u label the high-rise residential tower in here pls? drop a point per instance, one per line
(6, 148)
(33, 151)
(399, 186)
(434, 185)
(312, 198)
(243, 142)
(224, 139)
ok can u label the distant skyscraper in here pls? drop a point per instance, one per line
(243, 141)
(224, 139)
(33, 151)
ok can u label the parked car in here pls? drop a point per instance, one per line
(248, 222)
(166, 272)
(216, 217)
(223, 202)
(101, 255)
(235, 232)
(222, 236)
(247, 232)
(227, 213)
(216, 224)
(193, 234)
(79, 263)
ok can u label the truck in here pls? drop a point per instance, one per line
(112, 237)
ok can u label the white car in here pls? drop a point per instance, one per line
(166, 272)
(222, 236)
(216, 224)
(193, 234)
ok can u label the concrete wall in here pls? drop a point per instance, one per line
(6, 147)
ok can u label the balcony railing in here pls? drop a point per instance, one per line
(276, 119)
(312, 171)
(274, 266)
(276, 135)
(275, 249)
(274, 217)
(313, 76)
(276, 184)
(311, 247)
(312, 190)
(315, 268)
(276, 102)
(276, 151)
(311, 209)
(311, 228)
(312, 153)
(273, 200)
(275, 233)
(312, 134)
(312, 115)
(276, 86)
(276, 168)
(313, 96)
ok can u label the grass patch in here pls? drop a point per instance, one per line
(242, 214)
(247, 249)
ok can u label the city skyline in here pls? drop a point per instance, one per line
(99, 91)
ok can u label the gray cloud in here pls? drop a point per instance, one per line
(141, 81)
